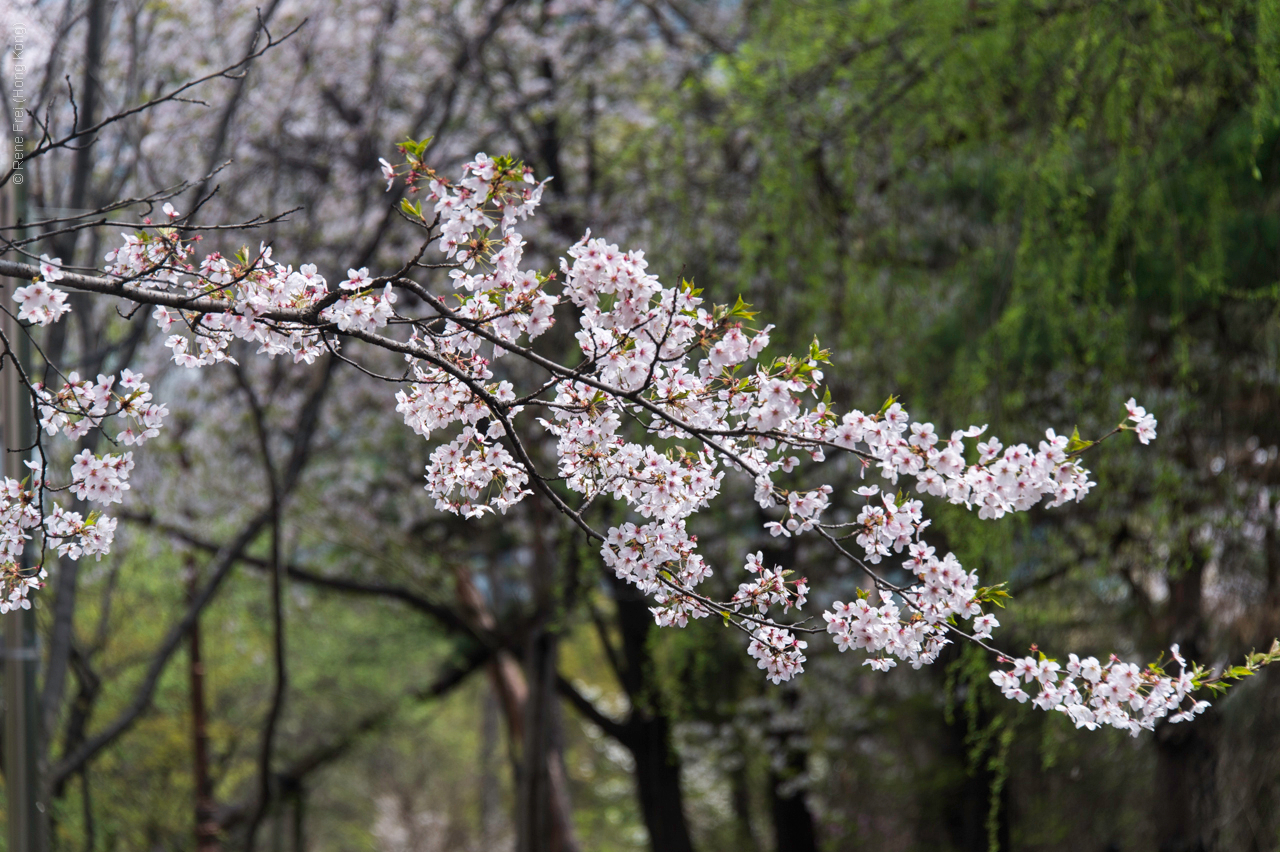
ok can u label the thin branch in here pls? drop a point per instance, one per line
(225, 559)
(223, 563)
(443, 615)
(326, 753)
(588, 711)
(229, 72)
(280, 683)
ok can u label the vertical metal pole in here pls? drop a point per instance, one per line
(22, 786)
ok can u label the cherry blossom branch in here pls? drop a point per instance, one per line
(668, 394)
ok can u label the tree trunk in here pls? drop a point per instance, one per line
(793, 825)
(206, 822)
(1187, 755)
(1186, 788)
(658, 783)
(490, 792)
(648, 731)
(792, 822)
(543, 816)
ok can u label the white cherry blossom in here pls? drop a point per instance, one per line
(669, 395)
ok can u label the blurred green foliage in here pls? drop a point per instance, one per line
(1007, 212)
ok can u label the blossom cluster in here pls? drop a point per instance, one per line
(19, 511)
(693, 376)
(778, 652)
(74, 410)
(474, 474)
(39, 303)
(671, 394)
(71, 534)
(770, 587)
(660, 559)
(1144, 423)
(360, 307)
(101, 479)
(1094, 694)
(81, 405)
(250, 290)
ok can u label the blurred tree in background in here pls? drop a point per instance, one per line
(1005, 212)
(1021, 212)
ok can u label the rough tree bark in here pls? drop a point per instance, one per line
(1187, 755)
(793, 824)
(206, 825)
(647, 732)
